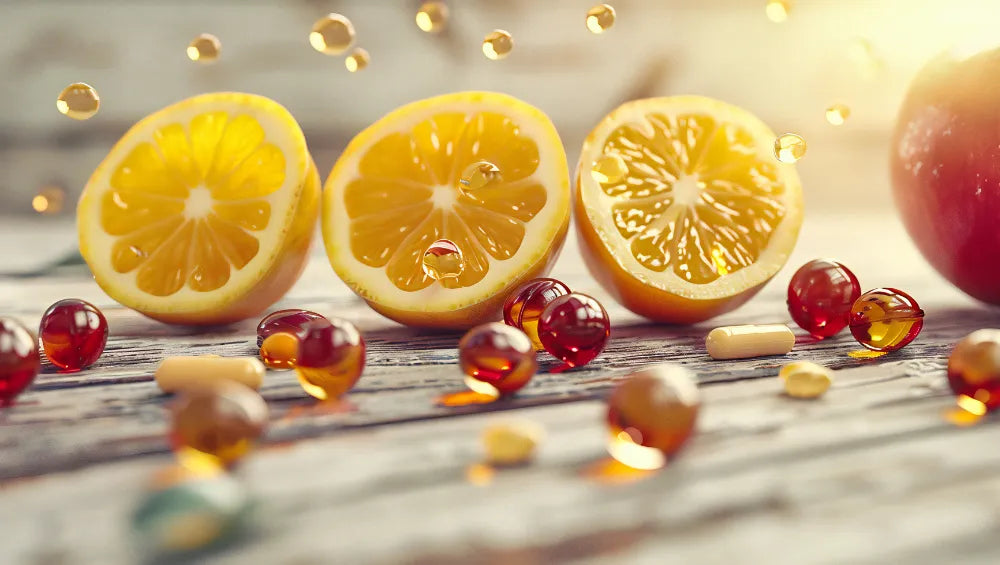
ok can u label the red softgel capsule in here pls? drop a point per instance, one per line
(574, 328)
(284, 321)
(19, 359)
(73, 334)
(524, 306)
(820, 296)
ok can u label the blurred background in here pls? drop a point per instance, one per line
(786, 62)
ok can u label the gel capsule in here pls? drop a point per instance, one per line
(217, 426)
(286, 321)
(496, 359)
(73, 334)
(511, 444)
(886, 319)
(805, 379)
(651, 415)
(189, 516)
(19, 360)
(524, 306)
(185, 373)
(574, 328)
(820, 296)
(331, 358)
(741, 342)
(974, 371)
(279, 351)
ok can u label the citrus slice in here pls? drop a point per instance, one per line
(203, 212)
(683, 212)
(398, 188)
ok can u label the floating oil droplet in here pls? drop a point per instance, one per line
(432, 17)
(204, 49)
(609, 169)
(49, 200)
(497, 44)
(357, 60)
(478, 175)
(443, 260)
(332, 34)
(78, 101)
(789, 147)
(600, 18)
(866, 58)
(777, 10)
(837, 114)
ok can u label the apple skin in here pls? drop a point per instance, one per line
(945, 167)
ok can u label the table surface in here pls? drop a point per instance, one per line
(871, 473)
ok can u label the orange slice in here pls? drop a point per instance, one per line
(398, 188)
(203, 212)
(683, 212)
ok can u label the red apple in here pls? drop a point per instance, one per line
(945, 162)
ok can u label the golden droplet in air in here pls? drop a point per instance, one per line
(357, 60)
(332, 34)
(432, 17)
(600, 18)
(789, 147)
(478, 175)
(609, 169)
(866, 58)
(837, 114)
(443, 260)
(777, 10)
(78, 101)
(204, 49)
(497, 44)
(49, 200)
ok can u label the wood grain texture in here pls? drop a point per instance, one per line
(871, 473)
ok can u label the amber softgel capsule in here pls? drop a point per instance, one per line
(886, 319)
(496, 359)
(974, 371)
(217, 426)
(524, 306)
(651, 415)
(741, 342)
(331, 358)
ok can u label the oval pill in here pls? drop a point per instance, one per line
(805, 379)
(183, 373)
(740, 342)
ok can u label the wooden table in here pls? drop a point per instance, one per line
(871, 473)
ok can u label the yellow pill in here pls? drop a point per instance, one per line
(740, 342)
(511, 443)
(805, 379)
(185, 373)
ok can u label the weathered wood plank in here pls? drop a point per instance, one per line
(766, 477)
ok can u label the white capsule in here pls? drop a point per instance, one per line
(740, 342)
(184, 373)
